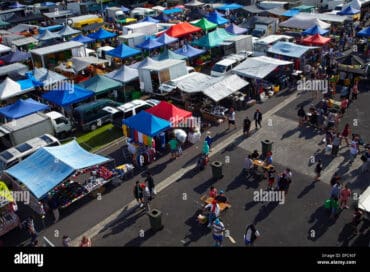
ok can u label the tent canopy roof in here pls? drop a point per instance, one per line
(217, 19)
(316, 39)
(22, 108)
(315, 30)
(236, 30)
(348, 11)
(150, 44)
(289, 49)
(47, 35)
(123, 51)
(169, 112)
(124, 74)
(304, 21)
(168, 54)
(258, 67)
(213, 39)
(205, 24)
(182, 29)
(67, 95)
(189, 51)
(364, 32)
(100, 84)
(102, 34)
(17, 56)
(49, 166)
(9, 88)
(232, 6)
(194, 3)
(45, 77)
(165, 39)
(67, 31)
(147, 123)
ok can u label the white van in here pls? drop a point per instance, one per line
(140, 13)
(224, 66)
(13, 155)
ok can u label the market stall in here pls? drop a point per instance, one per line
(8, 218)
(66, 173)
(142, 128)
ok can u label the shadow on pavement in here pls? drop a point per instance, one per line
(322, 220)
(250, 205)
(196, 230)
(202, 188)
(307, 189)
(265, 211)
(237, 182)
(231, 147)
(346, 235)
(139, 240)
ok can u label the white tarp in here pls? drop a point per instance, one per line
(364, 200)
(225, 87)
(193, 83)
(194, 3)
(80, 63)
(304, 21)
(4, 49)
(9, 88)
(258, 67)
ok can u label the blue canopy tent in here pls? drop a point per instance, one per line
(123, 51)
(48, 4)
(67, 95)
(50, 28)
(149, 19)
(168, 54)
(150, 44)
(147, 123)
(83, 39)
(162, 17)
(217, 19)
(26, 84)
(291, 13)
(17, 56)
(124, 9)
(172, 11)
(364, 32)
(124, 74)
(49, 166)
(102, 34)
(22, 108)
(236, 30)
(315, 30)
(349, 11)
(189, 51)
(232, 6)
(165, 39)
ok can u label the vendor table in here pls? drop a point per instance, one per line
(261, 165)
(209, 200)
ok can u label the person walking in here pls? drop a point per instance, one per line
(150, 183)
(345, 194)
(138, 194)
(337, 140)
(212, 192)
(209, 140)
(335, 190)
(343, 106)
(257, 118)
(53, 205)
(231, 118)
(248, 164)
(246, 126)
(146, 196)
(270, 177)
(334, 205)
(366, 161)
(353, 149)
(218, 229)
(251, 234)
(318, 170)
(173, 147)
(85, 242)
(346, 132)
(355, 91)
(205, 149)
(66, 241)
(356, 220)
(301, 116)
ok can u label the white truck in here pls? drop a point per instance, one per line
(132, 39)
(239, 44)
(114, 14)
(20, 130)
(146, 28)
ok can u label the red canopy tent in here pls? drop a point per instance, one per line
(170, 113)
(316, 39)
(182, 29)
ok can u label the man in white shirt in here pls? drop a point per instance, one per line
(353, 149)
(214, 211)
(248, 164)
(231, 118)
(218, 229)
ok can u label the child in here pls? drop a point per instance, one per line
(345, 193)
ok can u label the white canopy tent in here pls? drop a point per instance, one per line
(194, 3)
(4, 49)
(80, 63)
(258, 67)
(9, 88)
(364, 200)
(304, 21)
(225, 87)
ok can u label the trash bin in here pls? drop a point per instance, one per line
(155, 218)
(217, 170)
(266, 147)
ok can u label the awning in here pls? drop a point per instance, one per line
(149, 44)
(225, 87)
(22, 108)
(49, 166)
(168, 54)
(102, 34)
(258, 67)
(170, 113)
(189, 51)
(304, 21)
(182, 29)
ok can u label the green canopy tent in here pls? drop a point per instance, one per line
(100, 84)
(168, 54)
(205, 24)
(213, 39)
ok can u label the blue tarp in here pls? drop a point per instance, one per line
(289, 49)
(232, 6)
(50, 28)
(147, 123)
(162, 17)
(49, 166)
(22, 108)
(189, 51)
(236, 30)
(48, 4)
(172, 11)
(123, 51)
(102, 34)
(315, 30)
(149, 19)
(26, 84)
(217, 19)
(165, 39)
(364, 32)
(68, 95)
(17, 56)
(291, 13)
(349, 11)
(83, 39)
(149, 44)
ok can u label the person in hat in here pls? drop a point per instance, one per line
(218, 229)
(221, 198)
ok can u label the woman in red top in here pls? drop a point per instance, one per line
(343, 105)
(345, 193)
(212, 192)
(85, 242)
(346, 132)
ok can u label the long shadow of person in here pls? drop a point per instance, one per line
(307, 189)
(346, 235)
(265, 211)
(322, 220)
(196, 230)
